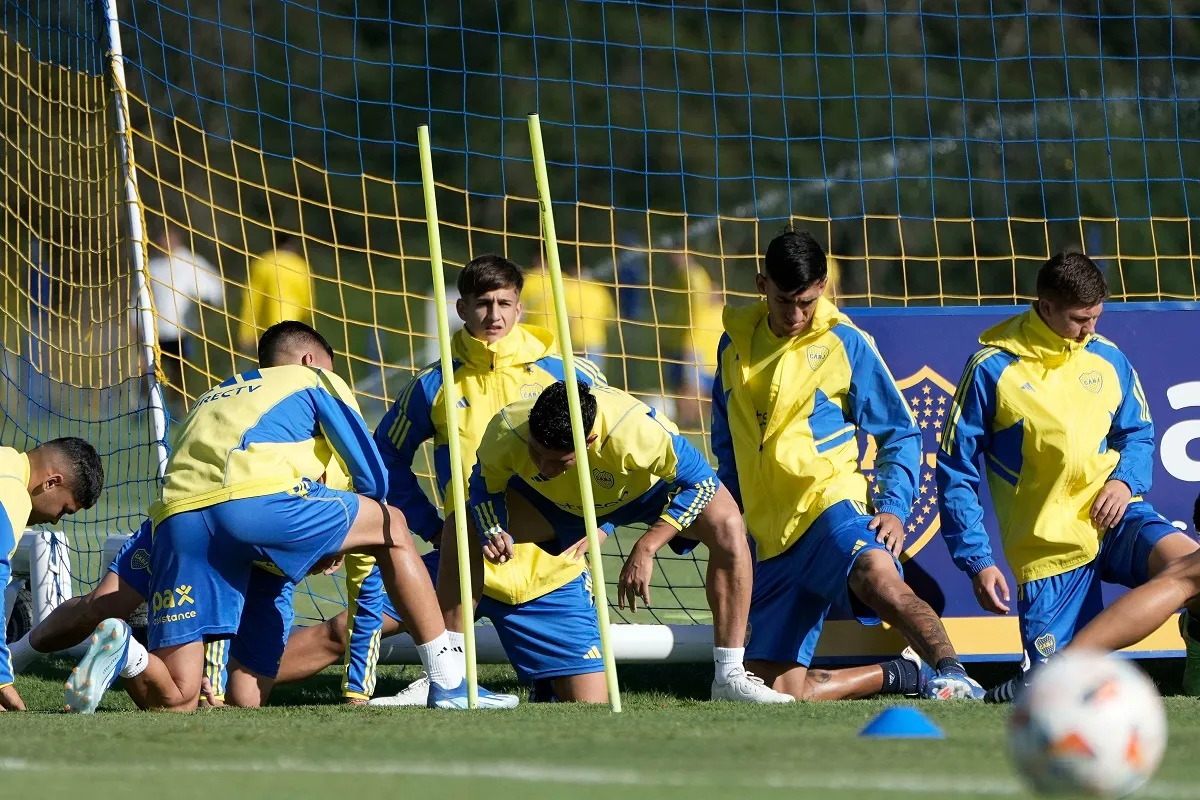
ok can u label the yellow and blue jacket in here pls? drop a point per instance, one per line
(1052, 420)
(488, 378)
(830, 382)
(15, 501)
(259, 432)
(635, 449)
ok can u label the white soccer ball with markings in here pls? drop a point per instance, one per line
(1089, 725)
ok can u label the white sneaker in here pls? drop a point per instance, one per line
(415, 694)
(746, 687)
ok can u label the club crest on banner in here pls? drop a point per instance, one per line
(930, 397)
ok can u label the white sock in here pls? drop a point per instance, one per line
(137, 659)
(22, 653)
(438, 658)
(458, 643)
(728, 661)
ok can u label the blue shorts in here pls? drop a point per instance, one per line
(1052, 610)
(262, 634)
(201, 560)
(644, 510)
(8, 546)
(132, 563)
(794, 591)
(551, 636)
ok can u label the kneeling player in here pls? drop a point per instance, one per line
(1056, 415)
(241, 486)
(796, 382)
(532, 597)
(643, 471)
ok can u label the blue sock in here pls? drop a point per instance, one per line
(951, 666)
(900, 676)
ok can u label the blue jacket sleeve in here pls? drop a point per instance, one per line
(1132, 434)
(722, 439)
(487, 507)
(966, 437)
(350, 439)
(878, 407)
(401, 432)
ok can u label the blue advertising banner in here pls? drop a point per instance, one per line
(926, 350)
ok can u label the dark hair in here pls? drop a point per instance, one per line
(1196, 514)
(1071, 279)
(487, 273)
(282, 237)
(550, 417)
(283, 337)
(794, 261)
(86, 480)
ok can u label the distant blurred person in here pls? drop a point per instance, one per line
(278, 287)
(590, 308)
(180, 279)
(706, 303)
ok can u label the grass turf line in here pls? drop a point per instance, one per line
(667, 744)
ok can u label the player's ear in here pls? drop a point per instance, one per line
(760, 283)
(460, 305)
(591, 439)
(51, 481)
(307, 360)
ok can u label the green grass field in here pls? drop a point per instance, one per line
(665, 744)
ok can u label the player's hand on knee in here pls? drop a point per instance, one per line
(889, 531)
(991, 590)
(10, 700)
(577, 550)
(327, 565)
(1110, 505)
(498, 548)
(635, 578)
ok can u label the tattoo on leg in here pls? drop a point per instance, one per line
(814, 680)
(922, 628)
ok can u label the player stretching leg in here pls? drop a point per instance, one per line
(1142, 610)
(241, 486)
(538, 602)
(1057, 415)
(524, 488)
(40, 487)
(125, 585)
(796, 382)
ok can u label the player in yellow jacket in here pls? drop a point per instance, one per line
(242, 486)
(796, 382)
(525, 487)
(60, 477)
(540, 603)
(1056, 415)
(278, 287)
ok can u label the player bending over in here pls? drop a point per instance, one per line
(795, 383)
(40, 487)
(242, 486)
(539, 603)
(126, 582)
(1057, 415)
(1141, 611)
(524, 487)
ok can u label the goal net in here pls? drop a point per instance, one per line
(940, 155)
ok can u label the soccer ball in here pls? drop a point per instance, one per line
(1089, 725)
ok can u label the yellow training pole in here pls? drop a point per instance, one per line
(581, 453)
(450, 391)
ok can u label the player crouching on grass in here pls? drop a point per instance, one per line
(539, 603)
(795, 383)
(242, 486)
(126, 583)
(1058, 416)
(525, 487)
(40, 487)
